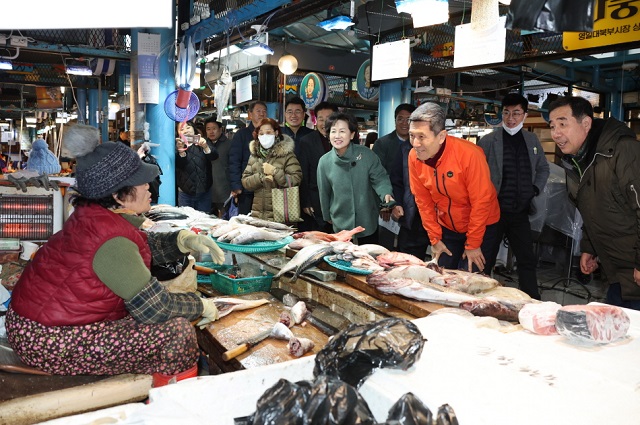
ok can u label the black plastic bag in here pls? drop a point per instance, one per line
(409, 410)
(154, 185)
(551, 15)
(171, 270)
(355, 352)
(325, 401)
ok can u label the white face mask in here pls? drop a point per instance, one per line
(513, 130)
(267, 140)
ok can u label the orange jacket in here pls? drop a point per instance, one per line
(461, 198)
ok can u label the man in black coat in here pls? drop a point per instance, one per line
(309, 150)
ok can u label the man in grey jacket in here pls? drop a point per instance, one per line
(519, 172)
(603, 179)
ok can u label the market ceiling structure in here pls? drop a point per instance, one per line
(541, 57)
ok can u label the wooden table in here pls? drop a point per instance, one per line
(226, 333)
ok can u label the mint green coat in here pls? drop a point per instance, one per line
(351, 188)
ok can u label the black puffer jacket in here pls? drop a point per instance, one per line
(193, 172)
(605, 187)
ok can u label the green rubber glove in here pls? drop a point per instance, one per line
(190, 242)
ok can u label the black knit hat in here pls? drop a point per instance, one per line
(103, 169)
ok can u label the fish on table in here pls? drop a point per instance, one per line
(421, 291)
(258, 222)
(343, 235)
(304, 259)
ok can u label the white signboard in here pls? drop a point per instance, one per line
(480, 47)
(243, 90)
(89, 14)
(390, 60)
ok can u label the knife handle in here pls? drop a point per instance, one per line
(235, 352)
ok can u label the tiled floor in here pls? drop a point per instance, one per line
(556, 284)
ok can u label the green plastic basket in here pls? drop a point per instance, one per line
(228, 286)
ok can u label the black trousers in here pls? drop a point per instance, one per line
(245, 202)
(455, 243)
(517, 229)
(415, 240)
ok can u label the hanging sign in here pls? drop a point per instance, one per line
(363, 82)
(312, 89)
(614, 22)
(148, 83)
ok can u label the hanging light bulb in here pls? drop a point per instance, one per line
(288, 64)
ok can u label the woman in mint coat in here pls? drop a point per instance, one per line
(351, 180)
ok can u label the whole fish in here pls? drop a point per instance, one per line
(395, 258)
(471, 283)
(421, 291)
(373, 249)
(412, 271)
(258, 222)
(301, 243)
(492, 308)
(223, 89)
(253, 234)
(306, 258)
(343, 235)
(222, 229)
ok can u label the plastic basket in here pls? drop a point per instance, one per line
(228, 286)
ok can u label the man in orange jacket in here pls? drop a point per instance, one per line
(452, 186)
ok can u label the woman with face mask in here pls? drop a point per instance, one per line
(272, 164)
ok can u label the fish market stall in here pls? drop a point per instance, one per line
(488, 376)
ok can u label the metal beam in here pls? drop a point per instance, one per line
(218, 24)
(76, 51)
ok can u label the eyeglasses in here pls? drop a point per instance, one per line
(298, 112)
(401, 120)
(514, 114)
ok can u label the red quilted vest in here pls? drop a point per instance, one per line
(59, 287)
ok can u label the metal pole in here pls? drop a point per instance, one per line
(284, 96)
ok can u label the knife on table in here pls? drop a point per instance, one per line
(244, 346)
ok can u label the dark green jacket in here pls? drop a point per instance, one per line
(606, 191)
(352, 188)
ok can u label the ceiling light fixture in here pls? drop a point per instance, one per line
(425, 12)
(79, 70)
(340, 22)
(77, 67)
(257, 48)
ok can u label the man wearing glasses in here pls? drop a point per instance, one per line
(294, 113)
(519, 172)
(387, 147)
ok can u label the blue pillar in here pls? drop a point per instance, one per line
(93, 108)
(273, 110)
(81, 97)
(390, 98)
(104, 115)
(407, 87)
(161, 127)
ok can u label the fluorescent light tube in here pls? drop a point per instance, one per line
(79, 70)
(6, 65)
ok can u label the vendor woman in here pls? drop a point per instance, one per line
(87, 303)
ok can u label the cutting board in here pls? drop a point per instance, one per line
(226, 333)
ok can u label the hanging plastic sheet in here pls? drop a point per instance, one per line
(551, 15)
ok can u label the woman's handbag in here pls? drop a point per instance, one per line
(286, 203)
